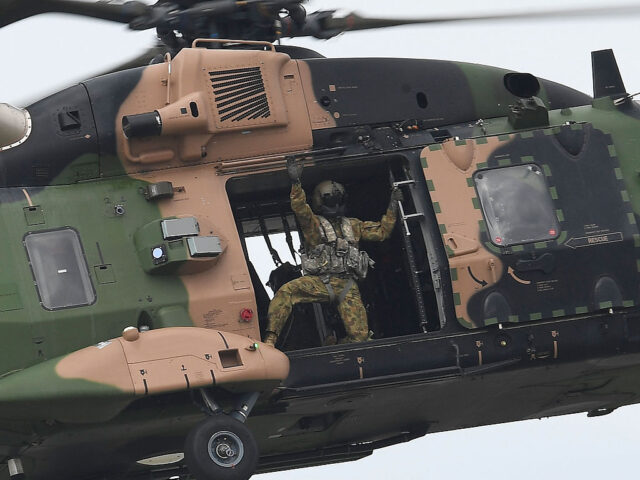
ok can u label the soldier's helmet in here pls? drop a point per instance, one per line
(329, 199)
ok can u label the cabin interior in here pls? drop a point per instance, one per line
(392, 289)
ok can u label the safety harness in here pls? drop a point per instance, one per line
(333, 298)
(336, 256)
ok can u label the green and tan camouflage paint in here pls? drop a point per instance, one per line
(106, 377)
(218, 294)
(448, 169)
(209, 293)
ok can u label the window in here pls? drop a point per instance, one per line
(516, 204)
(59, 268)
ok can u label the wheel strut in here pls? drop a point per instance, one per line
(210, 404)
(244, 405)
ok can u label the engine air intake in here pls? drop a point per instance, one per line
(240, 94)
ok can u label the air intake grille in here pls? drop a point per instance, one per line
(240, 94)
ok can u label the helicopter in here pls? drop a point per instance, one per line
(378, 175)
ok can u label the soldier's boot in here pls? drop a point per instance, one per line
(353, 340)
(357, 330)
(270, 338)
(331, 339)
(361, 335)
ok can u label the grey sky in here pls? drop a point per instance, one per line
(53, 50)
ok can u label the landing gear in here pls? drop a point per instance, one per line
(221, 448)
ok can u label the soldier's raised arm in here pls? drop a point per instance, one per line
(306, 218)
(380, 231)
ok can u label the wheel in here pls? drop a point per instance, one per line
(221, 448)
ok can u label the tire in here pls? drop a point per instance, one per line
(221, 448)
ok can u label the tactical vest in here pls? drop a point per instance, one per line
(336, 256)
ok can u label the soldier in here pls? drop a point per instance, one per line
(333, 261)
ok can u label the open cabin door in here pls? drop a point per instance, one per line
(536, 224)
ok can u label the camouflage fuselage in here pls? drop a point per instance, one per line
(228, 114)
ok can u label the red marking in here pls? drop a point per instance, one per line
(246, 314)
(498, 239)
(350, 21)
(552, 232)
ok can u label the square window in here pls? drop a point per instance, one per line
(59, 268)
(516, 204)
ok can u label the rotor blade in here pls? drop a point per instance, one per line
(141, 60)
(15, 10)
(331, 26)
(12, 11)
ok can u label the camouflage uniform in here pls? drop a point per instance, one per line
(311, 288)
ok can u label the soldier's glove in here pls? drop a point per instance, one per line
(396, 196)
(294, 169)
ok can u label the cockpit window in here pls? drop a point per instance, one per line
(59, 268)
(517, 205)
